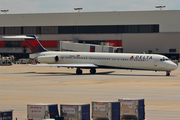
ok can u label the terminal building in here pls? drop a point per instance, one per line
(156, 32)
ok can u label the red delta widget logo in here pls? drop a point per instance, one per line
(141, 57)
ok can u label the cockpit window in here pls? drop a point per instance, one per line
(164, 59)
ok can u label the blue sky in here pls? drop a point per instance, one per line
(51, 6)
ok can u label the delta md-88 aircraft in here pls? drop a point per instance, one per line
(93, 61)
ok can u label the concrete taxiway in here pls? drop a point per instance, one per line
(22, 84)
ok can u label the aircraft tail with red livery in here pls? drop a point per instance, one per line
(32, 42)
(34, 45)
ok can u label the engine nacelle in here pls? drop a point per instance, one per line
(48, 59)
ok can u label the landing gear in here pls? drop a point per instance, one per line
(93, 71)
(78, 71)
(168, 73)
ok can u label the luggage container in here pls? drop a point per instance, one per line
(59, 118)
(42, 111)
(48, 119)
(132, 109)
(6, 114)
(75, 111)
(106, 110)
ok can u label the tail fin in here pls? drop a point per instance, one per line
(34, 45)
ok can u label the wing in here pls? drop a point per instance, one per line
(69, 65)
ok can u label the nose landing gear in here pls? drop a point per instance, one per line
(168, 73)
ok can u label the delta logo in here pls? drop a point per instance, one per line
(131, 57)
(141, 57)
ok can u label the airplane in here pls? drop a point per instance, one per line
(93, 61)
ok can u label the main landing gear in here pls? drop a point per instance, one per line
(93, 71)
(79, 71)
(168, 73)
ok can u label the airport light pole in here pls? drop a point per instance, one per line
(4, 11)
(79, 9)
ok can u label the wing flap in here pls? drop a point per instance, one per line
(68, 65)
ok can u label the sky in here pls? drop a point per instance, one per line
(61, 6)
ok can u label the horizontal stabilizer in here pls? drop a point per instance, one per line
(68, 65)
(19, 36)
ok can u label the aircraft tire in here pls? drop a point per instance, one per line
(93, 71)
(167, 73)
(79, 71)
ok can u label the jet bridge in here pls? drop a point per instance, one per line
(79, 47)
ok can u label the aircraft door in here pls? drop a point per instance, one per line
(155, 63)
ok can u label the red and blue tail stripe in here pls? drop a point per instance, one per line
(34, 45)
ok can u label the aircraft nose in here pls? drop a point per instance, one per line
(173, 66)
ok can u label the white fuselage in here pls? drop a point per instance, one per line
(110, 60)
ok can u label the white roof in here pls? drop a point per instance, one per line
(43, 104)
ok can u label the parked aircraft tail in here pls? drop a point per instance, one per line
(34, 45)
